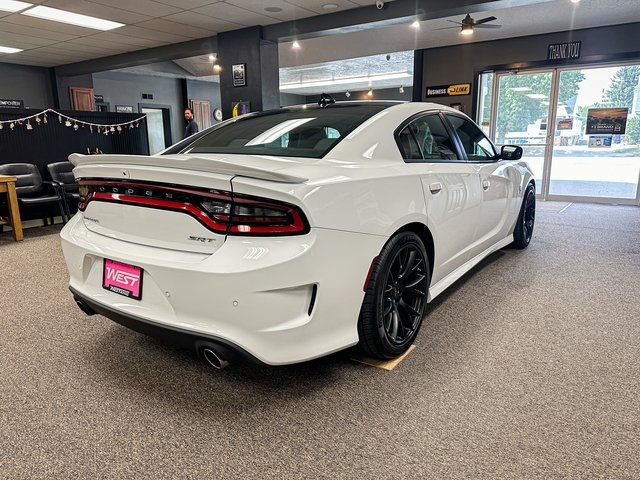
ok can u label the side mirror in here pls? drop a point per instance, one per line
(511, 152)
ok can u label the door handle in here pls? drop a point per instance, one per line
(435, 187)
(485, 184)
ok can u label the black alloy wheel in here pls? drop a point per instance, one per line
(523, 231)
(396, 298)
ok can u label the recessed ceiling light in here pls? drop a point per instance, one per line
(273, 9)
(295, 45)
(575, 1)
(330, 6)
(9, 50)
(13, 5)
(48, 13)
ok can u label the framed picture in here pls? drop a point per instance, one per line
(239, 72)
(124, 108)
(240, 108)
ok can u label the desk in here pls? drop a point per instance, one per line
(8, 186)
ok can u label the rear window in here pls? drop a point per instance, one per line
(292, 132)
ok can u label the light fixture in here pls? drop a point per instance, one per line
(9, 50)
(401, 89)
(295, 45)
(370, 93)
(13, 5)
(217, 68)
(575, 1)
(273, 9)
(212, 57)
(347, 94)
(466, 29)
(330, 6)
(415, 24)
(369, 79)
(48, 13)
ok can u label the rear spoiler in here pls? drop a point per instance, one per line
(185, 162)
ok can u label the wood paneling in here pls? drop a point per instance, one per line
(82, 99)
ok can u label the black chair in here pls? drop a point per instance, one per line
(32, 191)
(62, 175)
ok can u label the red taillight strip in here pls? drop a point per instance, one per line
(161, 203)
(151, 186)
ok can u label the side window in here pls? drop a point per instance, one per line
(426, 139)
(477, 146)
(408, 145)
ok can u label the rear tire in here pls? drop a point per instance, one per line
(396, 298)
(526, 220)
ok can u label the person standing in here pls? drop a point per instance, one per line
(192, 126)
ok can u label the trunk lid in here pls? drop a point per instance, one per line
(152, 200)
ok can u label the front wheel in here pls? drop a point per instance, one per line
(396, 298)
(526, 219)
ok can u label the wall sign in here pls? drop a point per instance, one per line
(449, 90)
(239, 72)
(124, 108)
(98, 98)
(607, 121)
(563, 51)
(4, 103)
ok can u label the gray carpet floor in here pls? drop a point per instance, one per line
(527, 368)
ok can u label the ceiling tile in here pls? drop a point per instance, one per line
(202, 21)
(98, 10)
(289, 11)
(135, 31)
(120, 39)
(39, 23)
(316, 5)
(164, 25)
(144, 7)
(34, 32)
(235, 14)
(188, 4)
(22, 41)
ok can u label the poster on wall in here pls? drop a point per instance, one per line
(600, 141)
(565, 124)
(240, 108)
(607, 121)
(448, 90)
(6, 103)
(239, 72)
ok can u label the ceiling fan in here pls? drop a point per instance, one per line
(468, 24)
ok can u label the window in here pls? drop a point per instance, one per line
(475, 144)
(426, 138)
(294, 132)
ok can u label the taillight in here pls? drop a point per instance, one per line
(220, 211)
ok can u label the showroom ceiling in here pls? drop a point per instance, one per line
(148, 23)
(552, 16)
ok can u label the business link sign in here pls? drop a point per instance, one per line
(449, 90)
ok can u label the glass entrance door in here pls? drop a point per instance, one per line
(522, 110)
(560, 117)
(596, 152)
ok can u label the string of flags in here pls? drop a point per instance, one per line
(46, 115)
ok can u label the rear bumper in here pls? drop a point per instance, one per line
(279, 300)
(170, 334)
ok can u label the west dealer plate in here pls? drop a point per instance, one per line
(122, 278)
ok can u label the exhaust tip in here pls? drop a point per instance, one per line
(85, 308)
(213, 358)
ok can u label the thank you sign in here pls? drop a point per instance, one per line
(563, 51)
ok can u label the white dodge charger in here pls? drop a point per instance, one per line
(289, 234)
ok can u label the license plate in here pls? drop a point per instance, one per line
(122, 278)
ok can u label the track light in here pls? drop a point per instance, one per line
(415, 25)
(370, 93)
(347, 94)
(401, 89)
(295, 45)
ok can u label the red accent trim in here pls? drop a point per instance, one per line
(374, 262)
(188, 208)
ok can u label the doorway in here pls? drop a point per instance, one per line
(158, 126)
(546, 112)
